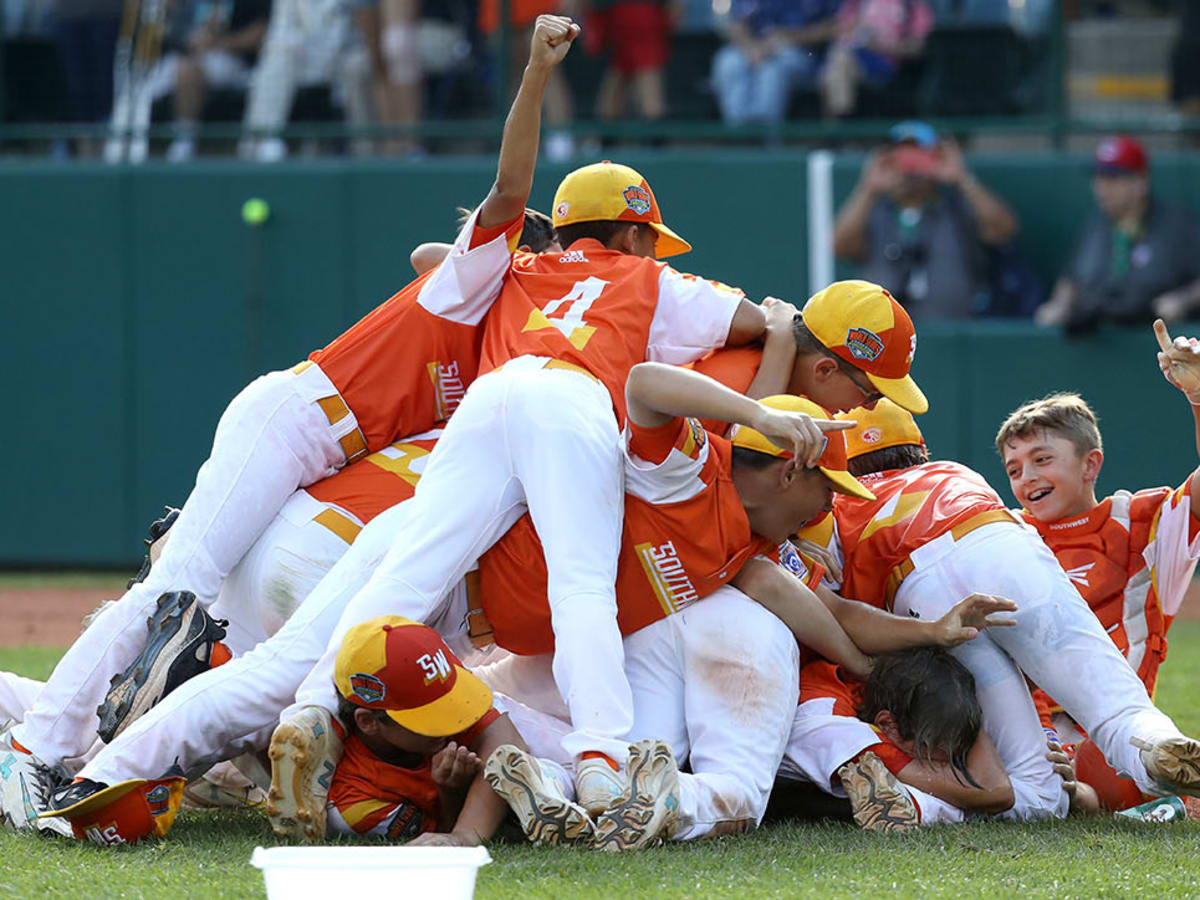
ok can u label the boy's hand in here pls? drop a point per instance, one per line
(969, 616)
(798, 431)
(552, 37)
(454, 767)
(822, 555)
(1179, 360)
(779, 315)
(444, 839)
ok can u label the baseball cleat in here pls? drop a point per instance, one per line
(546, 815)
(597, 785)
(155, 543)
(223, 787)
(305, 750)
(878, 800)
(1173, 763)
(26, 784)
(648, 809)
(179, 645)
(75, 792)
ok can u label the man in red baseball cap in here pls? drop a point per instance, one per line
(1137, 258)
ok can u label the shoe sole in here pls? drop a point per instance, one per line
(545, 819)
(293, 807)
(647, 816)
(878, 805)
(1175, 764)
(594, 803)
(145, 682)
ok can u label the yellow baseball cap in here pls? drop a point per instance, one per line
(610, 192)
(833, 460)
(887, 425)
(864, 325)
(406, 669)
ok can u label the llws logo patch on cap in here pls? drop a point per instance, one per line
(159, 800)
(562, 209)
(864, 344)
(871, 436)
(637, 198)
(367, 688)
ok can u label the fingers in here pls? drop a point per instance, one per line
(1164, 336)
(835, 425)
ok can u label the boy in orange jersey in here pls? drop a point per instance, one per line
(1131, 556)
(937, 530)
(396, 372)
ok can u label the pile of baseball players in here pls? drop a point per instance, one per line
(561, 532)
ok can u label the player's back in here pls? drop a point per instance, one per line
(912, 507)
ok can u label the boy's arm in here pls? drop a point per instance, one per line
(428, 255)
(876, 631)
(656, 393)
(983, 762)
(800, 610)
(484, 809)
(552, 37)
(1179, 360)
(779, 350)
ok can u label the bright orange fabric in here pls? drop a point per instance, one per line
(672, 554)
(368, 791)
(521, 13)
(400, 368)
(368, 487)
(924, 502)
(823, 679)
(734, 367)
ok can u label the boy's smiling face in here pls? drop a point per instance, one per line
(1048, 475)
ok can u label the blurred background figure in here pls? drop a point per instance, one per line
(773, 46)
(1137, 257)
(389, 29)
(635, 35)
(85, 35)
(557, 142)
(308, 41)
(217, 48)
(873, 38)
(919, 224)
(1185, 61)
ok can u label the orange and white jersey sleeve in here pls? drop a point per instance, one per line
(668, 464)
(1174, 546)
(463, 288)
(693, 317)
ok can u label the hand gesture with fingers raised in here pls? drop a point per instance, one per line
(969, 616)
(1179, 360)
(799, 432)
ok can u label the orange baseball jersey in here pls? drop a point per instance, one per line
(380, 481)
(370, 796)
(406, 364)
(1132, 557)
(600, 309)
(912, 507)
(821, 679)
(734, 367)
(685, 535)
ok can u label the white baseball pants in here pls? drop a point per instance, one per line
(272, 439)
(821, 742)
(1057, 642)
(524, 437)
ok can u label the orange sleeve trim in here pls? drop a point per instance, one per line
(481, 236)
(472, 734)
(816, 573)
(890, 755)
(655, 444)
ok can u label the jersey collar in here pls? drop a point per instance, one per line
(1085, 523)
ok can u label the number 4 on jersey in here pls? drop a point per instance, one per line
(581, 296)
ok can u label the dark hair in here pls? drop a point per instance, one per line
(752, 459)
(536, 233)
(602, 230)
(931, 695)
(346, 710)
(902, 456)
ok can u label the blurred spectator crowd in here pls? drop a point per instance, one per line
(401, 62)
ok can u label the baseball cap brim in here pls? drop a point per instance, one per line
(451, 713)
(845, 483)
(668, 243)
(901, 391)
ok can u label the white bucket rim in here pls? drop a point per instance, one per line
(389, 857)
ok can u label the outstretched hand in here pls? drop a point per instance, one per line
(454, 767)
(552, 38)
(1179, 360)
(970, 616)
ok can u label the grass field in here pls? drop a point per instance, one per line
(207, 854)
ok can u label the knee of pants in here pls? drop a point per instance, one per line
(1045, 799)
(729, 62)
(400, 54)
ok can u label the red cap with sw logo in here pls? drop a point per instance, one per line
(405, 668)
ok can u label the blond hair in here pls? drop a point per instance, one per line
(1065, 414)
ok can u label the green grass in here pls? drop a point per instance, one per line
(111, 581)
(207, 854)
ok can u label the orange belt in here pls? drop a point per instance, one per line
(354, 445)
(560, 364)
(959, 531)
(479, 629)
(339, 523)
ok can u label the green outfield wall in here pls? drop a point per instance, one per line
(137, 303)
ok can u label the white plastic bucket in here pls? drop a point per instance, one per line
(291, 872)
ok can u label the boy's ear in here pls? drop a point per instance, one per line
(886, 723)
(824, 368)
(366, 721)
(1092, 461)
